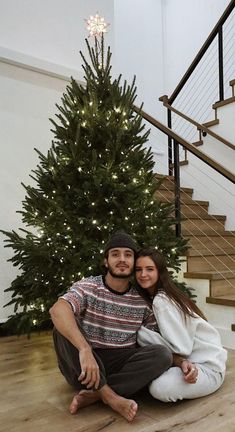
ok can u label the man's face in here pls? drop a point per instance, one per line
(120, 262)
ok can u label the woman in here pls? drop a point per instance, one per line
(182, 328)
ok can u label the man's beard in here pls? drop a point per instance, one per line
(119, 276)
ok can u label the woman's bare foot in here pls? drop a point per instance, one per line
(82, 399)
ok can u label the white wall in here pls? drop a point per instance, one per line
(139, 51)
(51, 30)
(138, 47)
(27, 101)
(187, 25)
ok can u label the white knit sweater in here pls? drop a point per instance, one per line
(194, 338)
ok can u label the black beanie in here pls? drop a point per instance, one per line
(120, 239)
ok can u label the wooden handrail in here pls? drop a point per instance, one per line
(202, 156)
(199, 126)
(202, 51)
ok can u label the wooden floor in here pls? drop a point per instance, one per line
(34, 398)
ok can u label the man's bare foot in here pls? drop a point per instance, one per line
(126, 407)
(82, 399)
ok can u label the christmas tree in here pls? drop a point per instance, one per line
(96, 178)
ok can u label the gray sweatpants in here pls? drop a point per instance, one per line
(125, 370)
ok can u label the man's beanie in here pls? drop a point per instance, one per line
(120, 239)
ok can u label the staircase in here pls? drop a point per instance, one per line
(210, 260)
(204, 167)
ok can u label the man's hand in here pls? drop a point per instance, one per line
(190, 371)
(90, 373)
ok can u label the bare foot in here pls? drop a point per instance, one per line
(126, 407)
(82, 399)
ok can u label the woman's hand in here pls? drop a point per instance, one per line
(188, 368)
(190, 371)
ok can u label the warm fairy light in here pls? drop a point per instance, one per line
(96, 25)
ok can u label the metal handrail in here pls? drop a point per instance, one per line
(217, 30)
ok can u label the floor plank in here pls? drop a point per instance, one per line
(35, 397)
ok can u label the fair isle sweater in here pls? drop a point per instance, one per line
(109, 319)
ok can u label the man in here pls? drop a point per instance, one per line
(96, 324)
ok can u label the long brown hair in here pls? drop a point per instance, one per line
(166, 285)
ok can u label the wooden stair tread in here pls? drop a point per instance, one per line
(197, 231)
(207, 252)
(223, 102)
(227, 300)
(211, 123)
(197, 143)
(171, 188)
(225, 234)
(206, 217)
(212, 275)
(203, 204)
(181, 163)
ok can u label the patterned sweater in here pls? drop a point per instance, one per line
(109, 319)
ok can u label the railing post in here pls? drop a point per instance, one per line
(177, 189)
(170, 159)
(221, 61)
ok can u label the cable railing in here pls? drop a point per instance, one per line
(200, 127)
(204, 249)
(205, 81)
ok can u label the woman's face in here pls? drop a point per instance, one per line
(146, 273)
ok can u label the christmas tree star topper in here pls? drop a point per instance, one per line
(96, 25)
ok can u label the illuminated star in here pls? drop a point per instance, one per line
(96, 25)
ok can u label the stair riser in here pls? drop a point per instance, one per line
(204, 225)
(168, 196)
(222, 287)
(210, 242)
(194, 210)
(171, 187)
(221, 262)
(168, 184)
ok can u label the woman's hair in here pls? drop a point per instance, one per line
(166, 285)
